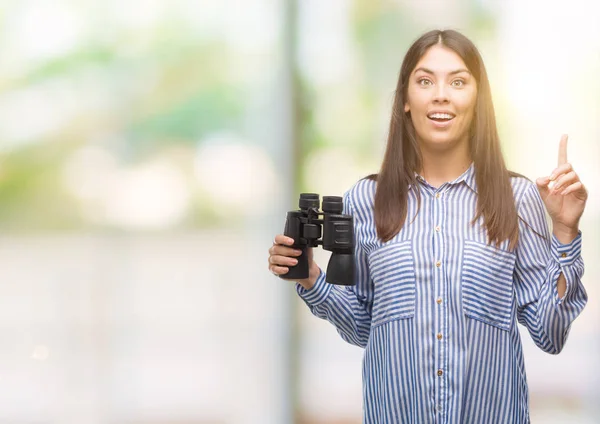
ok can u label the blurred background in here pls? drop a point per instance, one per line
(149, 151)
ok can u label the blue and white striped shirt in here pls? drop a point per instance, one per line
(436, 307)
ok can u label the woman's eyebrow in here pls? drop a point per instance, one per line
(429, 71)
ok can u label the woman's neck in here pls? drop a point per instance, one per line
(441, 167)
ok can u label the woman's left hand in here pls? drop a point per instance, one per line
(563, 193)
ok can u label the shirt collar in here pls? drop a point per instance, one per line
(468, 177)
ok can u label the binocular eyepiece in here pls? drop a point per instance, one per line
(305, 227)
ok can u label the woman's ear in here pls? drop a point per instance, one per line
(406, 108)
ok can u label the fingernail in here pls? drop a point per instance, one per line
(294, 261)
(290, 240)
(298, 252)
(551, 177)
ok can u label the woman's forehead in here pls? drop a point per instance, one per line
(439, 59)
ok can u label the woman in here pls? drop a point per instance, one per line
(452, 250)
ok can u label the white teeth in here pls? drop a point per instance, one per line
(441, 116)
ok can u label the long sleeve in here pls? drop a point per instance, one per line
(348, 308)
(539, 263)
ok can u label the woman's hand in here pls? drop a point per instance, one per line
(281, 257)
(564, 196)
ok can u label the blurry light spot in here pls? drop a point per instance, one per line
(43, 30)
(236, 174)
(40, 353)
(153, 195)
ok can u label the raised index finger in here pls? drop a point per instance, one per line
(562, 150)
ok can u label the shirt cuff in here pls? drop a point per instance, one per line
(566, 254)
(318, 293)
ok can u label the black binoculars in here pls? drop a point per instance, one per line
(304, 226)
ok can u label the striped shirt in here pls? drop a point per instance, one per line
(436, 307)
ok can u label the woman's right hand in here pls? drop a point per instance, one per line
(282, 255)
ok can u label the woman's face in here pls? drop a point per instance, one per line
(441, 99)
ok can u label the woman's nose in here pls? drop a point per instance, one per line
(440, 94)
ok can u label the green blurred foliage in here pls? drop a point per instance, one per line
(171, 88)
(170, 91)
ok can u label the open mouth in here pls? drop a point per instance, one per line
(441, 116)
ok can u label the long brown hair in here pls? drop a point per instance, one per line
(402, 158)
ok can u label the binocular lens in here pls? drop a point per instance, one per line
(333, 204)
(308, 200)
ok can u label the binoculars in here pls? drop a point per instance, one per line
(304, 226)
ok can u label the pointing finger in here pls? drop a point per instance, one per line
(562, 150)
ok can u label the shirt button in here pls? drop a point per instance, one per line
(438, 264)
(437, 229)
(439, 336)
(438, 195)
(439, 408)
(563, 255)
(440, 373)
(439, 300)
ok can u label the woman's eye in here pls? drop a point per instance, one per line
(458, 83)
(424, 81)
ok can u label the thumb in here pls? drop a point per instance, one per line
(542, 186)
(309, 254)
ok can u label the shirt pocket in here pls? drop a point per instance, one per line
(487, 284)
(393, 274)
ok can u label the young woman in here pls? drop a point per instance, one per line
(452, 250)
